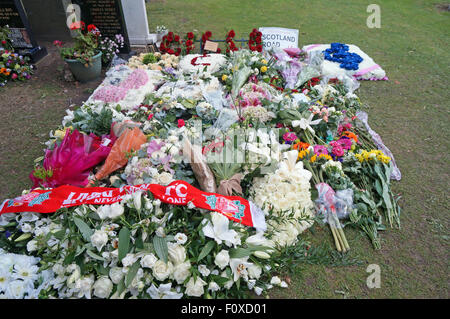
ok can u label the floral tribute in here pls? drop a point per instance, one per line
(13, 66)
(266, 127)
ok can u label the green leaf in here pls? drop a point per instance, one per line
(132, 273)
(161, 249)
(121, 286)
(124, 242)
(206, 250)
(239, 252)
(94, 255)
(84, 228)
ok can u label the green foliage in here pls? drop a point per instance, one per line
(149, 58)
(91, 122)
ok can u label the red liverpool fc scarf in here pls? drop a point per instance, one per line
(178, 192)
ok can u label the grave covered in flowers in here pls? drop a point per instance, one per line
(196, 175)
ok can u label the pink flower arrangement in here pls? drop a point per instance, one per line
(135, 80)
(337, 150)
(289, 137)
(110, 93)
(116, 93)
(320, 149)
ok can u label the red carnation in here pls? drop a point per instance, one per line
(219, 50)
(91, 27)
(188, 43)
(190, 35)
(231, 34)
(177, 38)
(170, 51)
(259, 48)
(254, 30)
(208, 34)
(181, 123)
(170, 34)
(258, 34)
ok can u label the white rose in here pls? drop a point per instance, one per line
(275, 280)
(116, 274)
(99, 239)
(195, 288)
(213, 286)
(148, 261)
(204, 270)
(116, 210)
(177, 253)
(181, 272)
(180, 238)
(254, 271)
(160, 232)
(32, 246)
(128, 260)
(103, 287)
(165, 178)
(161, 270)
(137, 200)
(222, 259)
(104, 211)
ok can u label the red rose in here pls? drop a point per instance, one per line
(91, 27)
(231, 34)
(170, 34)
(208, 34)
(259, 48)
(204, 38)
(258, 39)
(219, 50)
(188, 43)
(258, 34)
(251, 42)
(170, 51)
(162, 46)
(181, 123)
(176, 38)
(190, 35)
(254, 31)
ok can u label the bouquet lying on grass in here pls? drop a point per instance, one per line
(225, 124)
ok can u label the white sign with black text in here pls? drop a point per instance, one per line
(279, 38)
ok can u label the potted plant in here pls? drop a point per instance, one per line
(84, 57)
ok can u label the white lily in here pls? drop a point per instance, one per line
(219, 231)
(239, 267)
(306, 123)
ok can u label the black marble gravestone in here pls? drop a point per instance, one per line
(107, 16)
(13, 14)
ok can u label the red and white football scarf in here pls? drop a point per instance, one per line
(178, 192)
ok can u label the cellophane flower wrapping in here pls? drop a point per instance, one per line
(73, 159)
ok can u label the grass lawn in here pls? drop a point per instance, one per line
(410, 112)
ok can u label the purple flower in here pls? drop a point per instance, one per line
(153, 146)
(320, 149)
(345, 142)
(289, 137)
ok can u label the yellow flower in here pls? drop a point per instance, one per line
(263, 61)
(313, 158)
(302, 154)
(224, 77)
(61, 133)
(264, 69)
(326, 156)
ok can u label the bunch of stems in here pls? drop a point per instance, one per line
(338, 234)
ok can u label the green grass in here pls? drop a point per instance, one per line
(410, 112)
